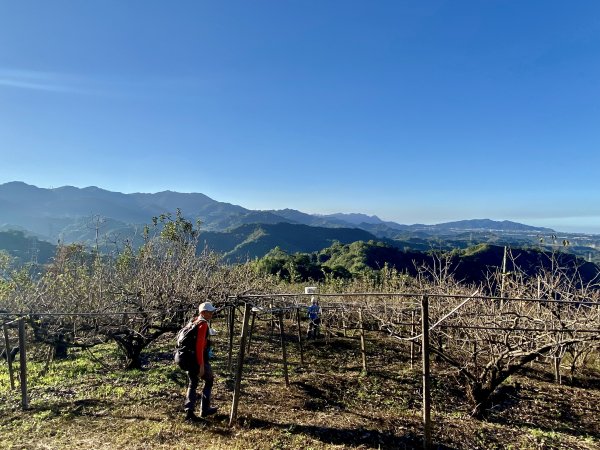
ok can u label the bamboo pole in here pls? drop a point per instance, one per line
(557, 352)
(240, 366)
(363, 349)
(426, 374)
(502, 278)
(271, 322)
(8, 357)
(283, 351)
(539, 293)
(299, 336)
(250, 331)
(231, 332)
(23, 364)
(413, 330)
(557, 360)
(323, 327)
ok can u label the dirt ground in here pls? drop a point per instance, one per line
(329, 403)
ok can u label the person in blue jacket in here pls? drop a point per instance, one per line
(314, 319)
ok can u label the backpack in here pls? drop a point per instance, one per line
(185, 351)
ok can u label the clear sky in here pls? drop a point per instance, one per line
(416, 111)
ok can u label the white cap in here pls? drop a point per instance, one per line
(206, 306)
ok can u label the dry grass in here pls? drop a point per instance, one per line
(81, 404)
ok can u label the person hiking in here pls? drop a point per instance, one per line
(314, 319)
(201, 368)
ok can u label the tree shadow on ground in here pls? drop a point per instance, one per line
(318, 398)
(585, 379)
(80, 407)
(510, 408)
(87, 408)
(354, 437)
(333, 345)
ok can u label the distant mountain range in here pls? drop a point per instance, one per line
(69, 214)
(50, 212)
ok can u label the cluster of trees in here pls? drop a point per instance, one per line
(339, 261)
(161, 283)
(25, 249)
(485, 331)
(360, 259)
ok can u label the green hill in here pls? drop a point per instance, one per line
(471, 265)
(256, 240)
(26, 248)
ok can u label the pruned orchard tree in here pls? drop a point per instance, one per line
(67, 287)
(489, 339)
(132, 296)
(163, 283)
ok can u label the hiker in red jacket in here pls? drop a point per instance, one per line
(203, 370)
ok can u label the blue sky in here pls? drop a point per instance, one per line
(416, 111)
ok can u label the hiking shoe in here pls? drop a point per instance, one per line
(208, 411)
(191, 417)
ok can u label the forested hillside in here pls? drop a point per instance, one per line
(24, 248)
(472, 265)
(256, 240)
(108, 220)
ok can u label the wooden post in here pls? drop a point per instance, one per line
(229, 327)
(558, 352)
(8, 357)
(440, 344)
(323, 329)
(344, 323)
(23, 364)
(426, 378)
(413, 330)
(250, 331)
(231, 332)
(502, 278)
(240, 366)
(557, 361)
(299, 336)
(271, 321)
(363, 349)
(539, 294)
(283, 350)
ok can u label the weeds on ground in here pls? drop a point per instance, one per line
(87, 401)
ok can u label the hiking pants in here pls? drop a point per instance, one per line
(192, 396)
(313, 328)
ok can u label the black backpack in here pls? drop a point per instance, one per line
(185, 351)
